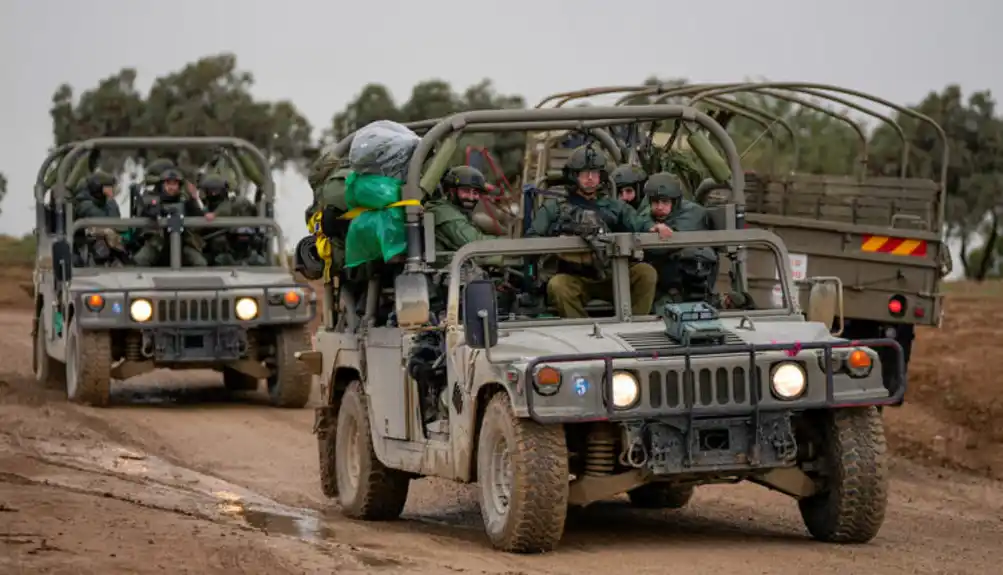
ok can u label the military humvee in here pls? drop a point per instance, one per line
(547, 413)
(96, 324)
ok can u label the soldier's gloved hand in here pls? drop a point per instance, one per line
(663, 231)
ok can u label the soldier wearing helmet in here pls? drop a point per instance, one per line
(96, 198)
(687, 274)
(228, 247)
(629, 181)
(461, 189)
(586, 213)
(168, 196)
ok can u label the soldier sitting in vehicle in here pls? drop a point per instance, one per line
(167, 197)
(229, 247)
(628, 180)
(461, 188)
(95, 198)
(687, 274)
(582, 277)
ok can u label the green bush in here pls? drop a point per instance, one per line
(17, 251)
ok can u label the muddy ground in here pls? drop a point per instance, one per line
(177, 477)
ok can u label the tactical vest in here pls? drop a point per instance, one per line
(573, 219)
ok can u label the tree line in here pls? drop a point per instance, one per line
(212, 97)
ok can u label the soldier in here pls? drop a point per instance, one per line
(168, 195)
(582, 277)
(462, 187)
(687, 274)
(629, 183)
(220, 247)
(96, 197)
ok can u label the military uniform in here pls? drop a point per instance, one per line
(581, 277)
(155, 243)
(97, 246)
(686, 274)
(90, 200)
(453, 228)
(220, 248)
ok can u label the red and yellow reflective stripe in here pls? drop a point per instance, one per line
(894, 246)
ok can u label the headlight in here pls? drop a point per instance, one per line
(788, 381)
(141, 310)
(625, 390)
(246, 308)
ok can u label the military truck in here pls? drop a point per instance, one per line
(97, 324)
(546, 413)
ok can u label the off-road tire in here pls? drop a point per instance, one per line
(88, 366)
(49, 372)
(661, 496)
(538, 454)
(378, 493)
(234, 380)
(851, 506)
(327, 445)
(291, 383)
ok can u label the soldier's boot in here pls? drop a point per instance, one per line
(568, 294)
(643, 279)
(192, 257)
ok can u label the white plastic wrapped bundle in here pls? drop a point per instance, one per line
(383, 148)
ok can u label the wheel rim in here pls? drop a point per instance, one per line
(71, 366)
(498, 483)
(353, 455)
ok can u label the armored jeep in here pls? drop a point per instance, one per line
(546, 413)
(94, 324)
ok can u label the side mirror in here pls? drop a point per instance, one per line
(62, 261)
(480, 314)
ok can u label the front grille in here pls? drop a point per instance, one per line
(194, 310)
(713, 386)
(659, 341)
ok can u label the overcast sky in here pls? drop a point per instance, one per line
(320, 54)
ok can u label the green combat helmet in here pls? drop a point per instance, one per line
(585, 158)
(664, 186)
(628, 176)
(463, 177)
(156, 168)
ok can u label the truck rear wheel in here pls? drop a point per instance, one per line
(88, 366)
(366, 488)
(850, 507)
(290, 385)
(522, 471)
(49, 372)
(661, 496)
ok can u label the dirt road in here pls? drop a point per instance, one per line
(179, 478)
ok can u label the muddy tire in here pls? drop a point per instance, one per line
(291, 383)
(49, 372)
(851, 506)
(234, 380)
(366, 488)
(661, 496)
(88, 367)
(327, 454)
(522, 472)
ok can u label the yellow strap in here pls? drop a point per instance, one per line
(354, 212)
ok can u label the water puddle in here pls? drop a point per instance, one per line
(155, 482)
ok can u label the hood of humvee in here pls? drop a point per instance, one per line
(166, 279)
(528, 343)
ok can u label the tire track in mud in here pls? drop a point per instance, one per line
(937, 522)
